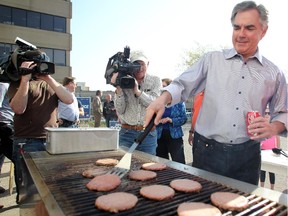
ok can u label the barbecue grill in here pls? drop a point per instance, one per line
(59, 187)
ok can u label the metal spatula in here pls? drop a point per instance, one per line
(124, 164)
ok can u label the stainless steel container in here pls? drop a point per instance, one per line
(71, 140)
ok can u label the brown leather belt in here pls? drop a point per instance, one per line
(135, 127)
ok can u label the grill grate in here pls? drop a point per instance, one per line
(65, 182)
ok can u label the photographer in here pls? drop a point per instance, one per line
(109, 111)
(131, 105)
(34, 99)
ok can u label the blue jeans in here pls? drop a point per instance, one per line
(148, 145)
(21, 145)
(238, 161)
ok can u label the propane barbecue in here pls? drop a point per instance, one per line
(60, 187)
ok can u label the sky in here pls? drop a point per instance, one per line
(164, 30)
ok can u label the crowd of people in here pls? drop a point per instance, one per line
(225, 85)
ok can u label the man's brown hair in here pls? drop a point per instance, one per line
(67, 80)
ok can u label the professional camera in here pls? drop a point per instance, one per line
(126, 69)
(10, 65)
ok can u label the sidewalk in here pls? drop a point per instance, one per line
(9, 201)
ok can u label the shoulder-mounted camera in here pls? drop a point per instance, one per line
(11, 69)
(120, 63)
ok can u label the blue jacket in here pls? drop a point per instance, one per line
(178, 116)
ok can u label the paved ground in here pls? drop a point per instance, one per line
(12, 209)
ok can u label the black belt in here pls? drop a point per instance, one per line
(67, 123)
(136, 127)
(29, 139)
(225, 146)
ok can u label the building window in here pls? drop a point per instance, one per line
(59, 57)
(47, 22)
(5, 49)
(59, 24)
(33, 19)
(19, 17)
(5, 15)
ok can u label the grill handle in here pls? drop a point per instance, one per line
(149, 127)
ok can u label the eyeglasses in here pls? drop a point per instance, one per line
(267, 113)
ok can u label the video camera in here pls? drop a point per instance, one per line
(126, 69)
(10, 65)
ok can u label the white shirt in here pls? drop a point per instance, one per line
(232, 88)
(68, 112)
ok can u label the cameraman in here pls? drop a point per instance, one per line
(131, 105)
(34, 99)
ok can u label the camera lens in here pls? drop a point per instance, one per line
(127, 82)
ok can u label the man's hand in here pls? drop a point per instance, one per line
(136, 90)
(27, 67)
(114, 78)
(113, 82)
(261, 128)
(190, 138)
(158, 107)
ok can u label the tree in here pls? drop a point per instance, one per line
(188, 59)
(191, 56)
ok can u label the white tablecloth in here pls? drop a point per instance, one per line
(272, 162)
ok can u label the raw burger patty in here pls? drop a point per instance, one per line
(105, 182)
(229, 201)
(142, 175)
(197, 209)
(115, 202)
(107, 162)
(153, 166)
(90, 173)
(157, 192)
(186, 185)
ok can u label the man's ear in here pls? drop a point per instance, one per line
(264, 32)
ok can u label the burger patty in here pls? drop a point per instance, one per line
(105, 182)
(157, 192)
(116, 202)
(229, 201)
(142, 175)
(154, 166)
(197, 209)
(107, 162)
(185, 185)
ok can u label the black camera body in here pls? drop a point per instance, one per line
(29, 52)
(126, 69)
(11, 69)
